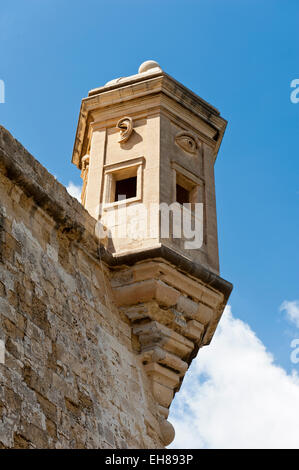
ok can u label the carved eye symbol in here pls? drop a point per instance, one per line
(187, 142)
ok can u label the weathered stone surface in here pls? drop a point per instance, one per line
(71, 378)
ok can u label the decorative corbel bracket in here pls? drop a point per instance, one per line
(172, 315)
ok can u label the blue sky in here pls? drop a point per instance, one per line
(239, 55)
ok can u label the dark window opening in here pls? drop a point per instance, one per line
(182, 195)
(124, 189)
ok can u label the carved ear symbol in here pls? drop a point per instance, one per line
(188, 142)
(125, 125)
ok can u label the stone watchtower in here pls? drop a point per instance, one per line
(146, 147)
(104, 305)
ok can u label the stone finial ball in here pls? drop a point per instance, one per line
(148, 65)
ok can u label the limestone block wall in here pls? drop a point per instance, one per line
(70, 377)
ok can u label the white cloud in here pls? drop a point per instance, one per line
(234, 396)
(292, 310)
(74, 190)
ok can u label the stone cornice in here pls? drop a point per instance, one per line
(141, 87)
(181, 263)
